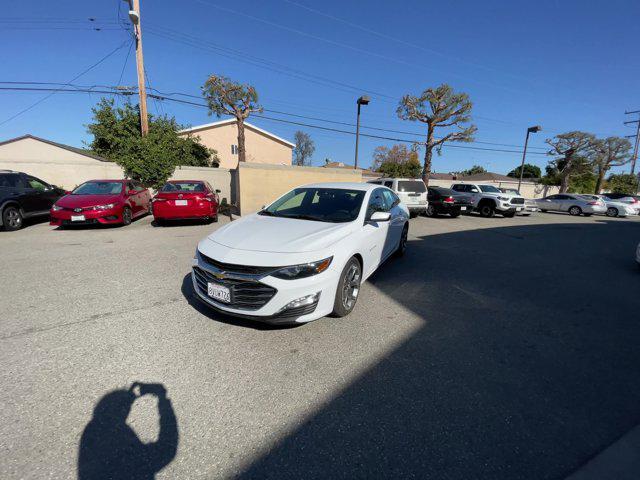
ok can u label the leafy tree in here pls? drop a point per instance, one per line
(304, 148)
(476, 169)
(610, 152)
(397, 161)
(439, 108)
(150, 159)
(576, 149)
(530, 171)
(583, 183)
(623, 183)
(226, 97)
(396, 154)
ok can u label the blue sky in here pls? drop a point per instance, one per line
(566, 65)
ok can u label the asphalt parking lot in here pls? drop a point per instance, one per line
(496, 348)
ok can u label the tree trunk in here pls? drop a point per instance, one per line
(241, 151)
(599, 181)
(428, 152)
(564, 183)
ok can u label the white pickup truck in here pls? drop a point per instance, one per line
(489, 200)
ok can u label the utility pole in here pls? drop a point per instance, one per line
(637, 136)
(134, 16)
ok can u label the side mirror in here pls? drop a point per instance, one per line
(380, 217)
(132, 192)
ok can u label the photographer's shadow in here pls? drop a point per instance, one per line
(111, 449)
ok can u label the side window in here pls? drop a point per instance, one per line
(389, 183)
(377, 203)
(472, 189)
(457, 188)
(390, 198)
(33, 182)
(10, 180)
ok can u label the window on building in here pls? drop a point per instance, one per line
(234, 149)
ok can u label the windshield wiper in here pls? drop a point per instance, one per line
(305, 217)
(267, 213)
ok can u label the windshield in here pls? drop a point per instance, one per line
(489, 189)
(183, 187)
(415, 186)
(99, 188)
(334, 205)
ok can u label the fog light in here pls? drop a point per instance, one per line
(302, 301)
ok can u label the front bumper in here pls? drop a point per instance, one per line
(273, 311)
(91, 217)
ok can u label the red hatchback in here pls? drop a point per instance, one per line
(186, 199)
(102, 202)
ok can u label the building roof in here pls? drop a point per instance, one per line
(230, 121)
(443, 176)
(79, 151)
(365, 171)
(487, 176)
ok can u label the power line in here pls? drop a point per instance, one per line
(74, 78)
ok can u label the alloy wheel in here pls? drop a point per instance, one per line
(13, 218)
(575, 211)
(126, 216)
(351, 286)
(612, 212)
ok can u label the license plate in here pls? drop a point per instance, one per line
(463, 208)
(181, 203)
(77, 218)
(519, 209)
(219, 292)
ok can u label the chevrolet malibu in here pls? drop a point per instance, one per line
(304, 256)
(102, 202)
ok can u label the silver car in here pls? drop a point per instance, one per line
(571, 202)
(615, 208)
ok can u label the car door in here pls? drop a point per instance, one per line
(45, 195)
(376, 234)
(565, 202)
(549, 203)
(33, 198)
(396, 222)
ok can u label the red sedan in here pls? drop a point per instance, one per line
(102, 202)
(186, 199)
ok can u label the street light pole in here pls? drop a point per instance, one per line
(535, 129)
(364, 100)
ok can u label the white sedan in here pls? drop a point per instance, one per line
(304, 256)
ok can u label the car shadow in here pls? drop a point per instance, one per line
(101, 226)
(193, 300)
(180, 223)
(525, 364)
(110, 448)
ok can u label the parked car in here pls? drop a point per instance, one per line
(302, 257)
(23, 196)
(446, 201)
(186, 199)
(489, 200)
(614, 207)
(411, 191)
(573, 203)
(530, 206)
(632, 200)
(104, 202)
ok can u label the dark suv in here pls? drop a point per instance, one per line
(23, 196)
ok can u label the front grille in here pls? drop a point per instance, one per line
(517, 201)
(245, 294)
(231, 268)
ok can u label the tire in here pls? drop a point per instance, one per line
(509, 214)
(431, 211)
(348, 288)
(402, 246)
(455, 212)
(159, 222)
(543, 211)
(126, 216)
(12, 218)
(215, 218)
(575, 211)
(612, 212)
(487, 210)
(413, 214)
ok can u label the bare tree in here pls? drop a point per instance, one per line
(610, 152)
(226, 97)
(439, 108)
(304, 149)
(577, 155)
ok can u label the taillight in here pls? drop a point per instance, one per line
(449, 200)
(593, 203)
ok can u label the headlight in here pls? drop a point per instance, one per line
(504, 199)
(56, 208)
(303, 270)
(108, 206)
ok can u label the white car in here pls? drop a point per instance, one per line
(614, 208)
(304, 256)
(411, 191)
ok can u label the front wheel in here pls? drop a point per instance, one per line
(348, 288)
(402, 245)
(487, 210)
(126, 216)
(12, 218)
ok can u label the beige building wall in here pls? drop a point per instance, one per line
(262, 184)
(261, 148)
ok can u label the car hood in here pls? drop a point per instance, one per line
(82, 201)
(279, 235)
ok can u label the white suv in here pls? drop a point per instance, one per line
(411, 191)
(489, 200)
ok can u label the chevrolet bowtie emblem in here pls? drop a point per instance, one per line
(219, 275)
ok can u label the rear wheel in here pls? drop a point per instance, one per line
(612, 212)
(509, 214)
(575, 211)
(126, 216)
(454, 212)
(12, 218)
(431, 211)
(348, 288)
